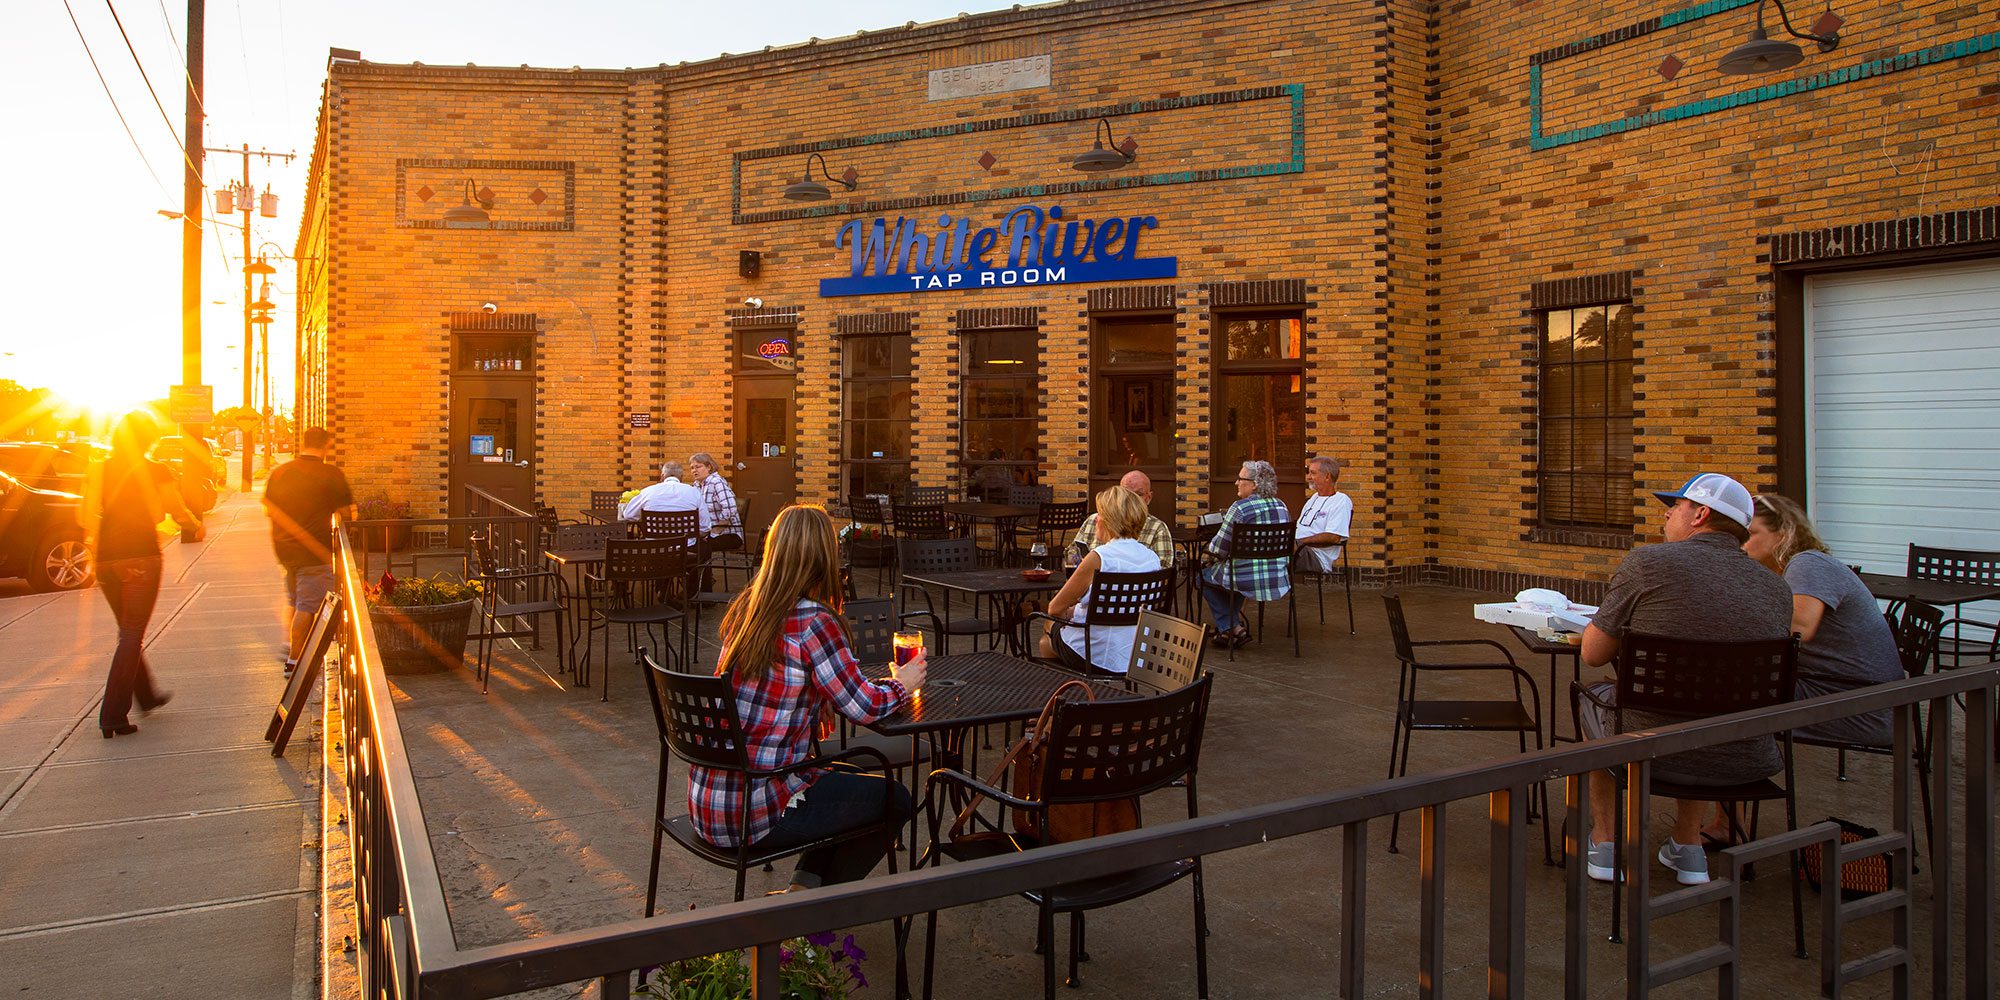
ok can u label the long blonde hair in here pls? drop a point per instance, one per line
(1786, 519)
(801, 560)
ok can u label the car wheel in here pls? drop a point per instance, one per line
(62, 562)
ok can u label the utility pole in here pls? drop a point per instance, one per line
(191, 209)
(251, 268)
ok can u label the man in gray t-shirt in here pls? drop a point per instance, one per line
(1698, 585)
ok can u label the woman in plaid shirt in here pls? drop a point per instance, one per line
(785, 650)
(1258, 579)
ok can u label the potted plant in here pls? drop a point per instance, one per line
(420, 624)
(866, 545)
(809, 968)
(385, 537)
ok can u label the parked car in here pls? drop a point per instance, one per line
(45, 465)
(41, 537)
(197, 489)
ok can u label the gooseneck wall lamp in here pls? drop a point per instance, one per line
(807, 189)
(466, 215)
(1764, 54)
(1100, 158)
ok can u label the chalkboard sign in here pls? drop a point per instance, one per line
(300, 688)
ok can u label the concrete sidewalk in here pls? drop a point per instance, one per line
(181, 861)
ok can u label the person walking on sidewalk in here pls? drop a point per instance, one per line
(301, 498)
(125, 498)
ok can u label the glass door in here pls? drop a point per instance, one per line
(1132, 405)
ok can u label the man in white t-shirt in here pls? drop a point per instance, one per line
(1324, 519)
(669, 494)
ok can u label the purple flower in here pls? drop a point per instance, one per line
(853, 950)
(823, 939)
(784, 955)
(860, 980)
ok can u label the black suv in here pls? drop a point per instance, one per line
(46, 466)
(41, 537)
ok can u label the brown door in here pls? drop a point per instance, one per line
(492, 442)
(766, 474)
(1133, 404)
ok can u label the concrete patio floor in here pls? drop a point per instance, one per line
(539, 801)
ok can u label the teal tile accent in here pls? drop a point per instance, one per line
(1819, 81)
(1296, 93)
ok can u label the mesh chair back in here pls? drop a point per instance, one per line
(696, 716)
(1261, 541)
(928, 495)
(1061, 518)
(1399, 630)
(1693, 679)
(546, 516)
(920, 519)
(868, 510)
(645, 560)
(1166, 653)
(1119, 598)
(1114, 749)
(1917, 636)
(602, 499)
(681, 524)
(482, 554)
(871, 629)
(1953, 565)
(1024, 495)
(584, 536)
(937, 555)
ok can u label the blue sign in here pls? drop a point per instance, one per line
(1039, 248)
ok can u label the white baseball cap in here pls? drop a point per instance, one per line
(1715, 491)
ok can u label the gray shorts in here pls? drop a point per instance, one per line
(1733, 763)
(306, 586)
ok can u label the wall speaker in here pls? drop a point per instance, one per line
(749, 263)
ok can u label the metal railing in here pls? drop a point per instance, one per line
(407, 947)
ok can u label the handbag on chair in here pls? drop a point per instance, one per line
(1023, 763)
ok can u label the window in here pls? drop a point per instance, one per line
(1586, 417)
(999, 411)
(1260, 405)
(875, 408)
(489, 355)
(1133, 404)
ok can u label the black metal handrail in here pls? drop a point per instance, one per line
(418, 939)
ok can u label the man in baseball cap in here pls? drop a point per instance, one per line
(1699, 584)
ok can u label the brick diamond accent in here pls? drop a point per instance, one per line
(538, 196)
(987, 160)
(485, 194)
(424, 193)
(850, 175)
(1670, 67)
(1827, 24)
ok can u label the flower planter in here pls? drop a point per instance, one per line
(421, 639)
(383, 538)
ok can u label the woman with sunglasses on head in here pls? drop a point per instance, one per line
(1844, 642)
(785, 651)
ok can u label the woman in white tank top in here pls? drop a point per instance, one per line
(1120, 516)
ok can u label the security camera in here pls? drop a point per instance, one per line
(489, 308)
(754, 302)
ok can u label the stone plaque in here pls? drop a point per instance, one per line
(989, 78)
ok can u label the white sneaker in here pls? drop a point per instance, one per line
(1601, 861)
(1688, 862)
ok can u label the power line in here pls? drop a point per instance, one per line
(149, 87)
(114, 101)
(243, 41)
(183, 57)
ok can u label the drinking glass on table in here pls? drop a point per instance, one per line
(1038, 551)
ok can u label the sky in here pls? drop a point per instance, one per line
(93, 281)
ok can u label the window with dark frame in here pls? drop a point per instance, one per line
(999, 410)
(1585, 475)
(876, 383)
(1259, 398)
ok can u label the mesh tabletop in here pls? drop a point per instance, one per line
(977, 689)
(1543, 647)
(569, 556)
(987, 511)
(988, 581)
(1938, 593)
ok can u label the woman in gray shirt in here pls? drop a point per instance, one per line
(1845, 642)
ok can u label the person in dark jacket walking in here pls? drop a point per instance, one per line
(125, 499)
(301, 498)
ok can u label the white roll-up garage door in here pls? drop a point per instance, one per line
(1903, 410)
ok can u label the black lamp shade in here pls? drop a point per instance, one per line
(1761, 54)
(807, 190)
(466, 217)
(1100, 159)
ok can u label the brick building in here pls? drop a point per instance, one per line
(1515, 265)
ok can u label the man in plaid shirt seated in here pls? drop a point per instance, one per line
(785, 651)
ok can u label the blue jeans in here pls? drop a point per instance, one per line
(1225, 606)
(838, 802)
(131, 586)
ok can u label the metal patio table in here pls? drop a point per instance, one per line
(1002, 516)
(998, 586)
(1193, 541)
(581, 561)
(1555, 651)
(1897, 589)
